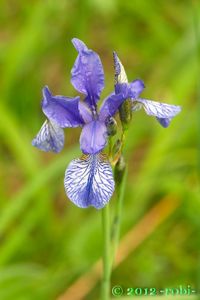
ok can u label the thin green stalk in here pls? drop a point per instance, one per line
(120, 190)
(110, 145)
(105, 289)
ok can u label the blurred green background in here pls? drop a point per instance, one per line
(47, 245)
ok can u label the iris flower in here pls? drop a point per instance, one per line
(88, 180)
(162, 111)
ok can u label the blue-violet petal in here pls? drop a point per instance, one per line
(62, 110)
(93, 137)
(158, 109)
(110, 106)
(89, 181)
(79, 45)
(135, 88)
(85, 112)
(87, 74)
(49, 138)
(164, 121)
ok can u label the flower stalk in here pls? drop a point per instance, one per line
(105, 288)
(120, 177)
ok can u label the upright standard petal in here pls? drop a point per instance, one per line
(87, 73)
(135, 88)
(158, 109)
(62, 110)
(93, 137)
(120, 74)
(49, 138)
(79, 45)
(110, 106)
(89, 181)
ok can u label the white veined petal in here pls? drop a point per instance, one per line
(49, 138)
(89, 181)
(158, 109)
(136, 105)
(120, 74)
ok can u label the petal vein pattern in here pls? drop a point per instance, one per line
(160, 110)
(49, 138)
(89, 181)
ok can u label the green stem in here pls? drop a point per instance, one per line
(106, 254)
(120, 189)
(110, 145)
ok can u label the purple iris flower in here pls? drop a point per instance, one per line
(88, 180)
(162, 111)
(87, 78)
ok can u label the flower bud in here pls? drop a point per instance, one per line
(111, 125)
(125, 110)
(125, 113)
(120, 169)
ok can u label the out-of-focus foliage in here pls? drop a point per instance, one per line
(46, 243)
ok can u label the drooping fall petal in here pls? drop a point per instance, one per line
(49, 138)
(62, 110)
(89, 181)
